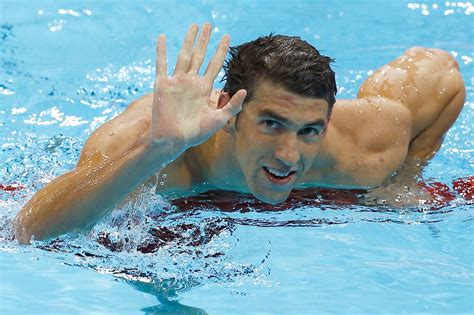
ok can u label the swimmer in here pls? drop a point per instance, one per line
(274, 127)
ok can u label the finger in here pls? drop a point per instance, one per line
(234, 106)
(184, 57)
(161, 65)
(218, 60)
(200, 51)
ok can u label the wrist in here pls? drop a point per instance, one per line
(161, 151)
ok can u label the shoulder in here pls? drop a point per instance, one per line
(405, 106)
(368, 119)
(428, 82)
(120, 133)
(424, 80)
(412, 75)
(366, 141)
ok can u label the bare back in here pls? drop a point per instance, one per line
(402, 111)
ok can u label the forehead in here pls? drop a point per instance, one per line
(272, 97)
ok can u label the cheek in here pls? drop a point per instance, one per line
(251, 140)
(311, 151)
(251, 151)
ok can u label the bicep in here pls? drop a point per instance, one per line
(423, 80)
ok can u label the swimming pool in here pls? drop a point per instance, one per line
(69, 67)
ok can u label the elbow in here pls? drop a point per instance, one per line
(22, 230)
(26, 228)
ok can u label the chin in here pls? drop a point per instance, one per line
(271, 197)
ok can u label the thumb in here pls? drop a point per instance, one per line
(234, 106)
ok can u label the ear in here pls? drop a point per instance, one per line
(224, 98)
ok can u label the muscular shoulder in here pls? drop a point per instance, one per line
(424, 80)
(124, 132)
(404, 108)
(414, 74)
(366, 141)
(120, 133)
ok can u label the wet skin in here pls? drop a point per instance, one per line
(279, 141)
(278, 135)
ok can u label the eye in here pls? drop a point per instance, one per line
(271, 124)
(310, 132)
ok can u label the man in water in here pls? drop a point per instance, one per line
(289, 134)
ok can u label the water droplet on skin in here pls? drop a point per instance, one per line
(164, 175)
(162, 183)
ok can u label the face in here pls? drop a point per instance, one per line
(278, 135)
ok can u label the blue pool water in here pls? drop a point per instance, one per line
(67, 67)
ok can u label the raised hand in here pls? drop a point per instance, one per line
(182, 112)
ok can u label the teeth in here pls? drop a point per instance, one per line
(277, 173)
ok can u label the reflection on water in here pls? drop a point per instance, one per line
(167, 294)
(172, 307)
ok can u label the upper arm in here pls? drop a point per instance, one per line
(428, 83)
(119, 134)
(402, 110)
(367, 139)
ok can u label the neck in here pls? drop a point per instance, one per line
(215, 162)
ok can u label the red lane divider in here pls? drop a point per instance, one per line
(464, 187)
(12, 187)
(442, 193)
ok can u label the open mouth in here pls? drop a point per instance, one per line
(279, 177)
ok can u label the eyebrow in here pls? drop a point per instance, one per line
(270, 114)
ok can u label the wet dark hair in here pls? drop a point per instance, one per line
(289, 61)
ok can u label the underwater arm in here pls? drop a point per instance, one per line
(125, 152)
(429, 84)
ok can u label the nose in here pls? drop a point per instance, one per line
(287, 151)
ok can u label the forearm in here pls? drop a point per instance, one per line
(79, 198)
(179, 116)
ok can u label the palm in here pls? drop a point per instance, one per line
(181, 107)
